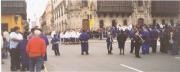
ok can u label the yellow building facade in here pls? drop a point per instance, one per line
(9, 22)
(13, 13)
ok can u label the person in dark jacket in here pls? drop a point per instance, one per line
(164, 40)
(153, 39)
(174, 39)
(121, 38)
(146, 38)
(161, 37)
(131, 36)
(47, 43)
(138, 43)
(55, 44)
(84, 37)
(23, 54)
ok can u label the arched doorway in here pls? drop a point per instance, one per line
(101, 24)
(114, 23)
(125, 22)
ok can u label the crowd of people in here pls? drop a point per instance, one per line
(144, 37)
(28, 49)
(68, 36)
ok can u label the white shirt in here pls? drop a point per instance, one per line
(171, 40)
(129, 27)
(161, 26)
(73, 34)
(17, 36)
(6, 35)
(67, 35)
(77, 34)
(1, 41)
(61, 35)
(124, 28)
(53, 33)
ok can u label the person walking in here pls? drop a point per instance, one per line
(36, 48)
(109, 41)
(55, 44)
(84, 37)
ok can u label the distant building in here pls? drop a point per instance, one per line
(46, 19)
(70, 14)
(13, 13)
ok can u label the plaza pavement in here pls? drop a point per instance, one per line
(71, 60)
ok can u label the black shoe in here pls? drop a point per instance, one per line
(23, 69)
(42, 67)
(13, 69)
(131, 52)
(18, 68)
(27, 69)
(87, 53)
(110, 53)
(82, 53)
(138, 57)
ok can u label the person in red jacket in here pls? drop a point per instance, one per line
(36, 51)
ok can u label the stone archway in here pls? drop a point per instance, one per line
(114, 23)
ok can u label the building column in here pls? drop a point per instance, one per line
(143, 11)
(179, 15)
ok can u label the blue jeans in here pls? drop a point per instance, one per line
(35, 64)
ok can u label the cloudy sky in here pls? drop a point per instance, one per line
(35, 8)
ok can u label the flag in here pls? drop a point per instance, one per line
(91, 23)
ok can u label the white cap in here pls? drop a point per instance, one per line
(37, 32)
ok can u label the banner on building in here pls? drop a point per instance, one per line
(91, 23)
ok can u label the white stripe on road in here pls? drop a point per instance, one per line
(131, 68)
(177, 57)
